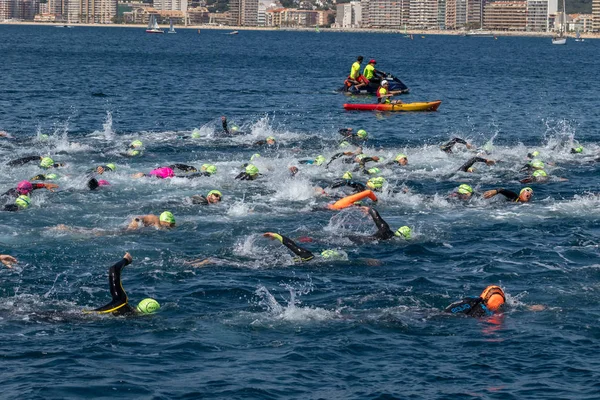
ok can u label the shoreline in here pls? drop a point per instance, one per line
(414, 32)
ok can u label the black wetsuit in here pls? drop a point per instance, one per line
(40, 177)
(510, 195)
(243, 176)
(301, 253)
(199, 199)
(119, 304)
(471, 306)
(447, 147)
(351, 137)
(227, 131)
(23, 161)
(356, 186)
(465, 167)
(383, 229)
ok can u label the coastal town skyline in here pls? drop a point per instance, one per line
(444, 15)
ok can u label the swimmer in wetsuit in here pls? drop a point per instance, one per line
(213, 197)
(447, 147)
(383, 229)
(249, 174)
(302, 254)
(45, 162)
(165, 220)
(523, 197)
(347, 181)
(468, 166)
(490, 301)
(119, 304)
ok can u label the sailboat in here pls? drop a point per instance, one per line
(317, 29)
(171, 28)
(561, 38)
(406, 35)
(578, 37)
(153, 25)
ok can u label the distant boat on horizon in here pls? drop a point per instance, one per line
(578, 37)
(171, 28)
(561, 38)
(479, 33)
(233, 33)
(153, 25)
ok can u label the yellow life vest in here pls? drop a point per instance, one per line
(355, 70)
(369, 71)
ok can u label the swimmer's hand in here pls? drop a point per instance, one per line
(3, 134)
(537, 307)
(470, 146)
(490, 193)
(8, 260)
(490, 162)
(128, 257)
(100, 170)
(138, 175)
(51, 186)
(269, 235)
(199, 263)
(364, 209)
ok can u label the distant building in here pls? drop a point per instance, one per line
(170, 5)
(505, 16)
(385, 13)
(537, 16)
(596, 15)
(292, 17)
(581, 22)
(424, 14)
(89, 11)
(456, 14)
(243, 12)
(22, 10)
(348, 15)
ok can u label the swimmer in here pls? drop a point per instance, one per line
(213, 197)
(346, 180)
(166, 172)
(350, 137)
(523, 197)
(8, 260)
(269, 141)
(468, 166)
(94, 183)
(134, 149)
(26, 187)
(100, 169)
(233, 130)
(463, 192)
(540, 176)
(293, 171)
(21, 203)
(45, 162)
(345, 153)
(489, 302)
(119, 304)
(302, 254)
(44, 177)
(577, 150)
(249, 174)
(401, 159)
(165, 220)
(383, 229)
(447, 147)
(376, 183)
(205, 170)
(318, 160)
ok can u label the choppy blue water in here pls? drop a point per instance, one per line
(253, 324)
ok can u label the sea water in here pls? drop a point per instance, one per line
(253, 324)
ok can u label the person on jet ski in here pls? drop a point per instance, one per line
(355, 78)
(370, 72)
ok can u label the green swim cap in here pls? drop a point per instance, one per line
(270, 138)
(376, 183)
(43, 136)
(51, 177)
(133, 152)
(254, 156)
(136, 144)
(320, 160)
(362, 134)
(46, 162)
(539, 172)
(400, 157)
(537, 164)
(404, 231)
(211, 169)
(167, 216)
(148, 306)
(347, 175)
(330, 253)
(111, 166)
(527, 189)
(361, 156)
(23, 201)
(251, 169)
(535, 153)
(465, 189)
(344, 144)
(196, 133)
(373, 171)
(215, 192)
(578, 149)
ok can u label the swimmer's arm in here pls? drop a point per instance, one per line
(383, 229)
(183, 167)
(8, 260)
(507, 193)
(145, 220)
(304, 254)
(47, 186)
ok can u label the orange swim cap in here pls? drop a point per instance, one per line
(493, 297)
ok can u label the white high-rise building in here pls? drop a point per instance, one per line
(349, 15)
(537, 15)
(170, 5)
(595, 15)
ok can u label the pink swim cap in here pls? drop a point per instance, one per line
(102, 182)
(162, 173)
(24, 187)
